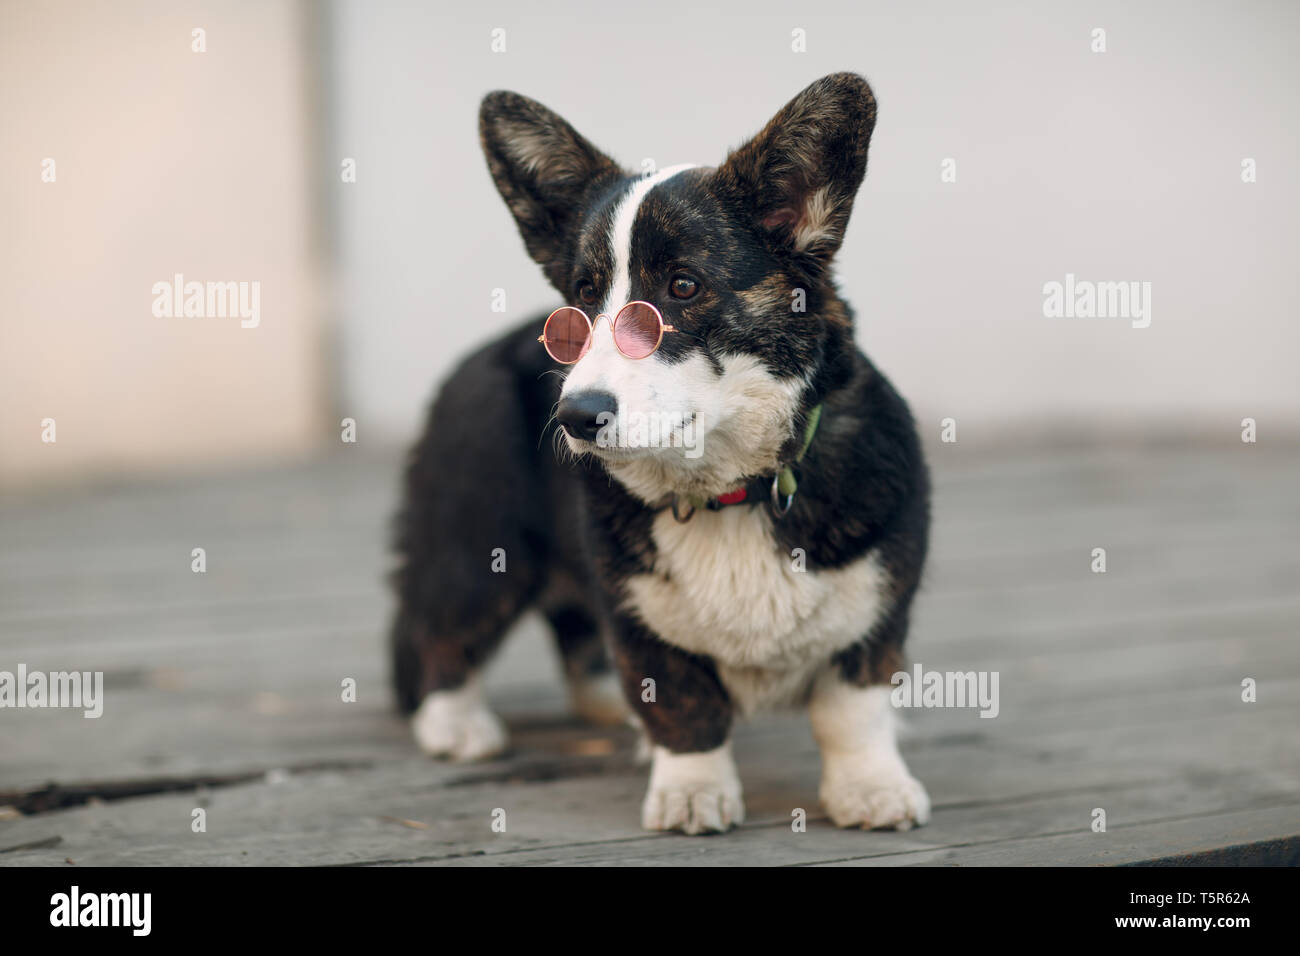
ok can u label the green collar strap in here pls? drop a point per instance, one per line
(785, 482)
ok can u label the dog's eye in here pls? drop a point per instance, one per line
(683, 287)
(586, 293)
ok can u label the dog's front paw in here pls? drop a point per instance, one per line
(458, 724)
(694, 793)
(879, 798)
(692, 810)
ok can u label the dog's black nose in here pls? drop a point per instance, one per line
(583, 414)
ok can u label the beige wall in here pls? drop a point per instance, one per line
(167, 161)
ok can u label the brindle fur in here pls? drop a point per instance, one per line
(486, 473)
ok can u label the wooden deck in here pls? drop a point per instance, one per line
(1119, 690)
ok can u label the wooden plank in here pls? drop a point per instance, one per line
(333, 818)
(1189, 836)
(1119, 690)
(984, 790)
(224, 689)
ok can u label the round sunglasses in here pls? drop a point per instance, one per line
(638, 329)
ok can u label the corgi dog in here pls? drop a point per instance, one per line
(716, 499)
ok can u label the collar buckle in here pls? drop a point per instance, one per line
(779, 509)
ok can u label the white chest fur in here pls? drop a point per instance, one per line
(722, 587)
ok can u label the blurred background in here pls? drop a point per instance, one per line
(229, 164)
(328, 153)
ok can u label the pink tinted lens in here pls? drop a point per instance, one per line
(567, 333)
(637, 330)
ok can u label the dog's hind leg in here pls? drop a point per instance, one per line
(595, 693)
(459, 592)
(438, 673)
(472, 541)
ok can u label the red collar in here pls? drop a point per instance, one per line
(733, 497)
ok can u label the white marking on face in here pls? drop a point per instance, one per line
(718, 427)
(636, 383)
(620, 235)
(742, 417)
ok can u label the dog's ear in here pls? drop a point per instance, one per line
(542, 167)
(797, 178)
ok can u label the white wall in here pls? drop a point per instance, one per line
(1123, 165)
